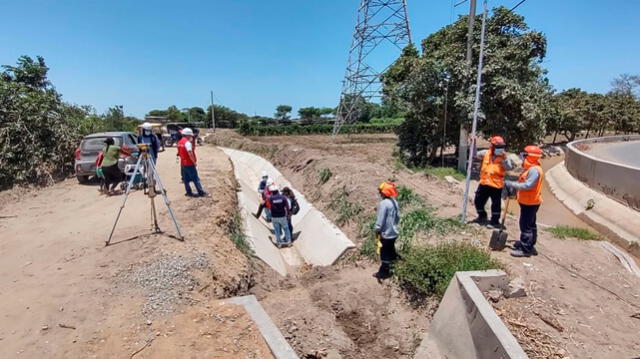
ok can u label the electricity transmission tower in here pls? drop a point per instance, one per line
(381, 25)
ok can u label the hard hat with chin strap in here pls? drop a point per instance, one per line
(497, 141)
(533, 151)
(146, 126)
(187, 132)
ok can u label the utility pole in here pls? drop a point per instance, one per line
(476, 109)
(462, 144)
(213, 116)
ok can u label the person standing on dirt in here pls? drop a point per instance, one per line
(112, 174)
(529, 195)
(188, 163)
(151, 139)
(386, 228)
(493, 169)
(279, 212)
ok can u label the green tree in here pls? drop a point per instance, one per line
(157, 113)
(282, 112)
(515, 94)
(28, 72)
(226, 117)
(197, 115)
(175, 115)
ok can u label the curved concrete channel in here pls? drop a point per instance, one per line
(319, 242)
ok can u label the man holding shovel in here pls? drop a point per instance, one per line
(529, 187)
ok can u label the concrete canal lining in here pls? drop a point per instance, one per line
(319, 243)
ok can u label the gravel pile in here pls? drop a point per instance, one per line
(166, 281)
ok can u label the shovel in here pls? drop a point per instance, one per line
(498, 240)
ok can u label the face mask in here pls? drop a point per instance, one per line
(147, 133)
(499, 151)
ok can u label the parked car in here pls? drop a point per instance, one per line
(173, 134)
(91, 145)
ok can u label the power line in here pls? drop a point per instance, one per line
(518, 4)
(460, 3)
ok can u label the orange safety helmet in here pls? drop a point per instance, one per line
(497, 141)
(388, 189)
(533, 151)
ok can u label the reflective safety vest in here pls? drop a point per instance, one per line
(492, 172)
(185, 160)
(531, 196)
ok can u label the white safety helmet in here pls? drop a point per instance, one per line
(273, 188)
(146, 126)
(269, 182)
(187, 132)
(264, 174)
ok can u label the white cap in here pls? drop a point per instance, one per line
(273, 188)
(187, 132)
(269, 182)
(146, 126)
(265, 174)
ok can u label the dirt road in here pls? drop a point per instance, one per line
(65, 295)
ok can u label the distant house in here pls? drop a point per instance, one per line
(156, 119)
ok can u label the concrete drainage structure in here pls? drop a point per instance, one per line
(319, 242)
(465, 324)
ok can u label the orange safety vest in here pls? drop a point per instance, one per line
(492, 172)
(531, 196)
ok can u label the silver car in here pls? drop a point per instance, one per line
(91, 145)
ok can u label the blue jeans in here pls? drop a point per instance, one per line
(279, 225)
(190, 174)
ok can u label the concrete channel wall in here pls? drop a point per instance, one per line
(617, 181)
(319, 241)
(465, 324)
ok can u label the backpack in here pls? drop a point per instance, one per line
(295, 207)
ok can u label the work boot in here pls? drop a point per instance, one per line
(256, 215)
(190, 195)
(494, 225)
(519, 253)
(479, 220)
(534, 252)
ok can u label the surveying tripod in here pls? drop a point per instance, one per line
(146, 168)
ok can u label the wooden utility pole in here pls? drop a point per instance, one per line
(462, 144)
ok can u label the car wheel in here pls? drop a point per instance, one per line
(83, 179)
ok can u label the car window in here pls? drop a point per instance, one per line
(130, 140)
(97, 143)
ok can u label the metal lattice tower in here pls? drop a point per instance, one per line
(380, 23)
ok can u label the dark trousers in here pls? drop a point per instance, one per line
(190, 174)
(528, 228)
(388, 255)
(483, 193)
(112, 176)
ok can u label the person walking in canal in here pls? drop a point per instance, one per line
(279, 212)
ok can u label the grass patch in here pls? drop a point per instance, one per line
(573, 232)
(347, 211)
(234, 226)
(407, 197)
(427, 271)
(325, 175)
(442, 172)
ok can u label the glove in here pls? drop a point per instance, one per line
(509, 188)
(378, 244)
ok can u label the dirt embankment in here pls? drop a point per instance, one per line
(65, 295)
(581, 303)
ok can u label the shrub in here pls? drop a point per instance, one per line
(427, 271)
(573, 232)
(346, 210)
(325, 175)
(407, 197)
(236, 234)
(252, 129)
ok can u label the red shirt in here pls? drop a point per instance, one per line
(266, 194)
(183, 152)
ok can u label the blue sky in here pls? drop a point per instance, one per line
(256, 54)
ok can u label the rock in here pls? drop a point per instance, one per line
(516, 289)
(333, 354)
(45, 327)
(451, 180)
(149, 322)
(494, 295)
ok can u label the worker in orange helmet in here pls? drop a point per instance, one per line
(493, 169)
(529, 187)
(386, 228)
